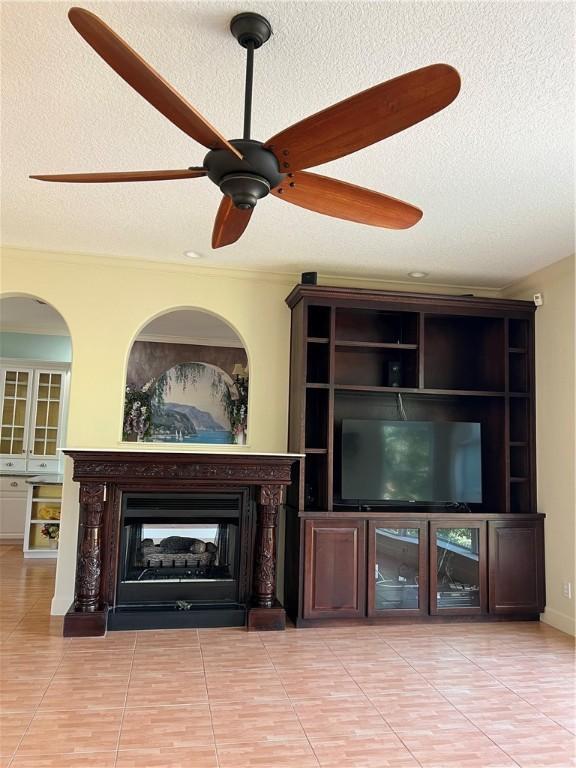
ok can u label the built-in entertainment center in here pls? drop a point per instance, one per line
(417, 495)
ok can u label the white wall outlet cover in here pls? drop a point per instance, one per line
(567, 589)
(538, 299)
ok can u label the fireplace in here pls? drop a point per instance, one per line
(182, 550)
(177, 540)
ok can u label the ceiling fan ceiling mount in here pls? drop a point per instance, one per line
(251, 29)
(246, 170)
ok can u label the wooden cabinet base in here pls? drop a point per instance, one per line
(85, 623)
(267, 619)
(406, 620)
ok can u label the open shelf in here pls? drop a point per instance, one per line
(319, 322)
(464, 352)
(317, 363)
(376, 326)
(376, 367)
(316, 419)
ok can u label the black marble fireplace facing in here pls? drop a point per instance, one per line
(169, 540)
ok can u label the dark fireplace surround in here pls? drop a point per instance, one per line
(243, 564)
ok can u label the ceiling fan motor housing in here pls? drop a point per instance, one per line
(248, 180)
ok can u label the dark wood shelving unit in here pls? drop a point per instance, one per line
(461, 359)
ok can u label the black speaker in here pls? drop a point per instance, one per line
(309, 278)
(395, 374)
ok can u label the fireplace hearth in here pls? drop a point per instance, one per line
(177, 540)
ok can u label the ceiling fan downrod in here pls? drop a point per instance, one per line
(251, 30)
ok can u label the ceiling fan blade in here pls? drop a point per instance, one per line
(366, 118)
(230, 223)
(149, 84)
(91, 178)
(346, 201)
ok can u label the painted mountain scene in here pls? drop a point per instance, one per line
(188, 405)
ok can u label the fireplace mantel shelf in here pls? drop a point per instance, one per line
(106, 474)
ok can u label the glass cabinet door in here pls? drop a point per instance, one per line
(458, 567)
(16, 389)
(49, 389)
(397, 568)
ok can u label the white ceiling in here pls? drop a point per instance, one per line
(494, 172)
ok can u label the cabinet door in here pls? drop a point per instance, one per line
(397, 568)
(335, 569)
(16, 386)
(47, 416)
(458, 567)
(12, 515)
(516, 570)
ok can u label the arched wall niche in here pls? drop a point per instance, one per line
(186, 381)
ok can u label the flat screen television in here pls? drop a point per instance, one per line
(430, 462)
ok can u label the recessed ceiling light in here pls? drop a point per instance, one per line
(417, 275)
(193, 255)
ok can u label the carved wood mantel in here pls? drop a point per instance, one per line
(105, 475)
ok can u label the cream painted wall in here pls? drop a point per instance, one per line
(106, 301)
(555, 431)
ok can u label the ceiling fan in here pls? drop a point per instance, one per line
(246, 170)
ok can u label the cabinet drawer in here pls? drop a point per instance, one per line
(13, 485)
(43, 465)
(12, 465)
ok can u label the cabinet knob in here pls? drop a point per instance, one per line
(9, 463)
(14, 484)
(43, 464)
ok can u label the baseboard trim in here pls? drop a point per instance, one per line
(60, 605)
(559, 620)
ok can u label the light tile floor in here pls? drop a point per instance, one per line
(441, 696)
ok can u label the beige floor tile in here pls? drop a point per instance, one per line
(245, 685)
(382, 751)
(72, 731)
(243, 721)
(162, 757)
(85, 760)
(167, 688)
(338, 716)
(287, 754)
(167, 726)
(12, 728)
(83, 693)
(305, 682)
(22, 694)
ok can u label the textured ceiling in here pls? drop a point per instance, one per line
(493, 172)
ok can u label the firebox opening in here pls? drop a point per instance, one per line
(181, 551)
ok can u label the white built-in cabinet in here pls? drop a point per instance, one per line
(33, 409)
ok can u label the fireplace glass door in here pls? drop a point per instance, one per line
(183, 556)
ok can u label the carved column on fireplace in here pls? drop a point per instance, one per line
(89, 566)
(269, 499)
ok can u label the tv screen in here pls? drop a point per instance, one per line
(411, 461)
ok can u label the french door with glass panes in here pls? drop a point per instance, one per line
(397, 568)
